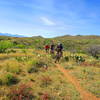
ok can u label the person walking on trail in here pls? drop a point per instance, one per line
(47, 47)
(59, 53)
(59, 48)
(52, 48)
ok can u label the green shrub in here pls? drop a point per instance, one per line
(32, 69)
(66, 58)
(23, 59)
(32, 62)
(12, 66)
(24, 51)
(79, 59)
(31, 66)
(45, 81)
(11, 51)
(8, 79)
(4, 45)
(11, 79)
(34, 65)
(21, 46)
(40, 64)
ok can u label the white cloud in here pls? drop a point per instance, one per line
(46, 21)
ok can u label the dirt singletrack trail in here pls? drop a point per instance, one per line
(85, 95)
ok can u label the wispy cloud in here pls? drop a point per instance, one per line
(47, 21)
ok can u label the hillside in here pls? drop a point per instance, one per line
(27, 72)
(11, 35)
(79, 43)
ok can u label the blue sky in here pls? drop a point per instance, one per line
(50, 18)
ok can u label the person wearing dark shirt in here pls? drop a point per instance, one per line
(59, 53)
(52, 48)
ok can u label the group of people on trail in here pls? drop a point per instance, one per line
(53, 49)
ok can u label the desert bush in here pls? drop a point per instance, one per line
(47, 42)
(45, 96)
(21, 46)
(10, 51)
(95, 88)
(90, 74)
(40, 64)
(45, 81)
(13, 51)
(24, 51)
(94, 50)
(66, 58)
(12, 66)
(21, 92)
(31, 66)
(8, 79)
(4, 45)
(32, 69)
(35, 66)
(23, 59)
(92, 63)
(79, 59)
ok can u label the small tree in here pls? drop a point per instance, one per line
(94, 51)
(4, 45)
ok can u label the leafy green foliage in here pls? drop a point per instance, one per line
(12, 66)
(8, 79)
(23, 59)
(79, 59)
(66, 58)
(35, 65)
(49, 82)
(77, 43)
(10, 51)
(21, 46)
(4, 45)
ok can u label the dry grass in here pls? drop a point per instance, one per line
(50, 80)
(88, 73)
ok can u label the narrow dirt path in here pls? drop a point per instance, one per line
(85, 95)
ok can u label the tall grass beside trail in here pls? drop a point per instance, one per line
(7, 78)
(39, 62)
(12, 66)
(53, 83)
(89, 77)
(31, 66)
(47, 82)
(87, 73)
(21, 92)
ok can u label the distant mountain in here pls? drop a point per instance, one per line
(11, 35)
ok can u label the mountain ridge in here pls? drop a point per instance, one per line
(63, 36)
(11, 35)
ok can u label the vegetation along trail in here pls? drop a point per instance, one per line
(84, 94)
